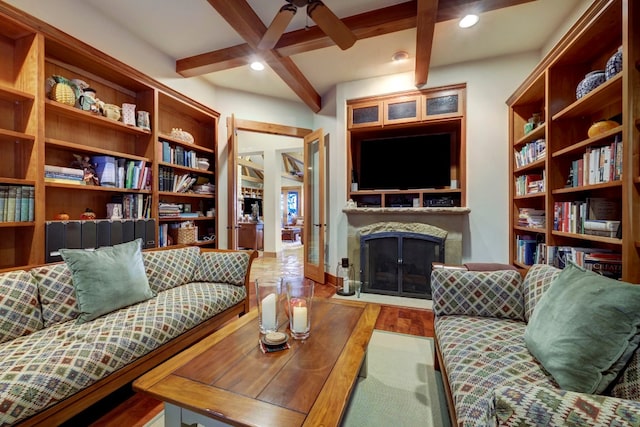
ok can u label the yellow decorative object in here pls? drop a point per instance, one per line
(600, 127)
(60, 89)
(62, 92)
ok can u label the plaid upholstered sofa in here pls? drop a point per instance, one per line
(52, 366)
(489, 373)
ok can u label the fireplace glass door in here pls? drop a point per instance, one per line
(399, 263)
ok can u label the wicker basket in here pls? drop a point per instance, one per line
(184, 236)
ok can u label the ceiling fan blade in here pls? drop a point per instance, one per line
(277, 27)
(331, 24)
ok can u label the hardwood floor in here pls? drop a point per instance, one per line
(134, 410)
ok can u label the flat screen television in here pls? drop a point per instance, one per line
(405, 162)
(248, 202)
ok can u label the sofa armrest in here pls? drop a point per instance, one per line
(534, 405)
(477, 293)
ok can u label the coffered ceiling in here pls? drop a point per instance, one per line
(217, 39)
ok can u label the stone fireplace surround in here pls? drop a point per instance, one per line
(431, 221)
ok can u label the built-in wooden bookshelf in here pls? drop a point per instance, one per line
(565, 119)
(36, 131)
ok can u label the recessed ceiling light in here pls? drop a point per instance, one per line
(258, 66)
(400, 56)
(469, 21)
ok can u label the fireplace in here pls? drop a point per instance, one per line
(445, 225)
(399, 263)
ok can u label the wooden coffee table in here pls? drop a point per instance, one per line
(225, 379)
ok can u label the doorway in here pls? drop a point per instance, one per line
(257, 174)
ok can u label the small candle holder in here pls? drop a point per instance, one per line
(267, 296)
(299, 299)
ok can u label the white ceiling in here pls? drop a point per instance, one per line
(189, 27)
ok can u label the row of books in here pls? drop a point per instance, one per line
(598, 216)
(177, 183)
(602, 261)
(531, 152)
(122, 173)
(178, 155)
(597, 165)
(530, 184)
(133, 206)
(529, 217)
(526, 249)
(17, 203)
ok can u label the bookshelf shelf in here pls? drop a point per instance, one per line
(600, 239)
(607, 94)
(584, 188)
(185, 144)
(181, 218)
(535, 134)
(86, 117)
(12, 136)
(98, 188)
(529, 229)
(14, 181)
(530, 196)
(538, 164)
(13, 95)
(187, 169)
(17, 224)
(58, 143)
(582, 145)
(191, 195)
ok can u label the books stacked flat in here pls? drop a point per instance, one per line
(528, 217)
(169, 210)
(207, 188)
(63, 175)
(601, 227)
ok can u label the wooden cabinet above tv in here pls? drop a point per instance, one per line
(408, 149)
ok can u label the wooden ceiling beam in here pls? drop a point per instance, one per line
(425, 27)
(378, 22)
(248, 25)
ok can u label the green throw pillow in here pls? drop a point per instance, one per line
(108, 278)
(584, 329)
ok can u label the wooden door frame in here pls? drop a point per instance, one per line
(233, 126)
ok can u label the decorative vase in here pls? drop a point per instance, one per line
(129, 114)
(614, 64)
(111, 111)
(591, 81)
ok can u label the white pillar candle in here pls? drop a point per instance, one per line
(299, 319)
(345, 286)
(269, 312)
